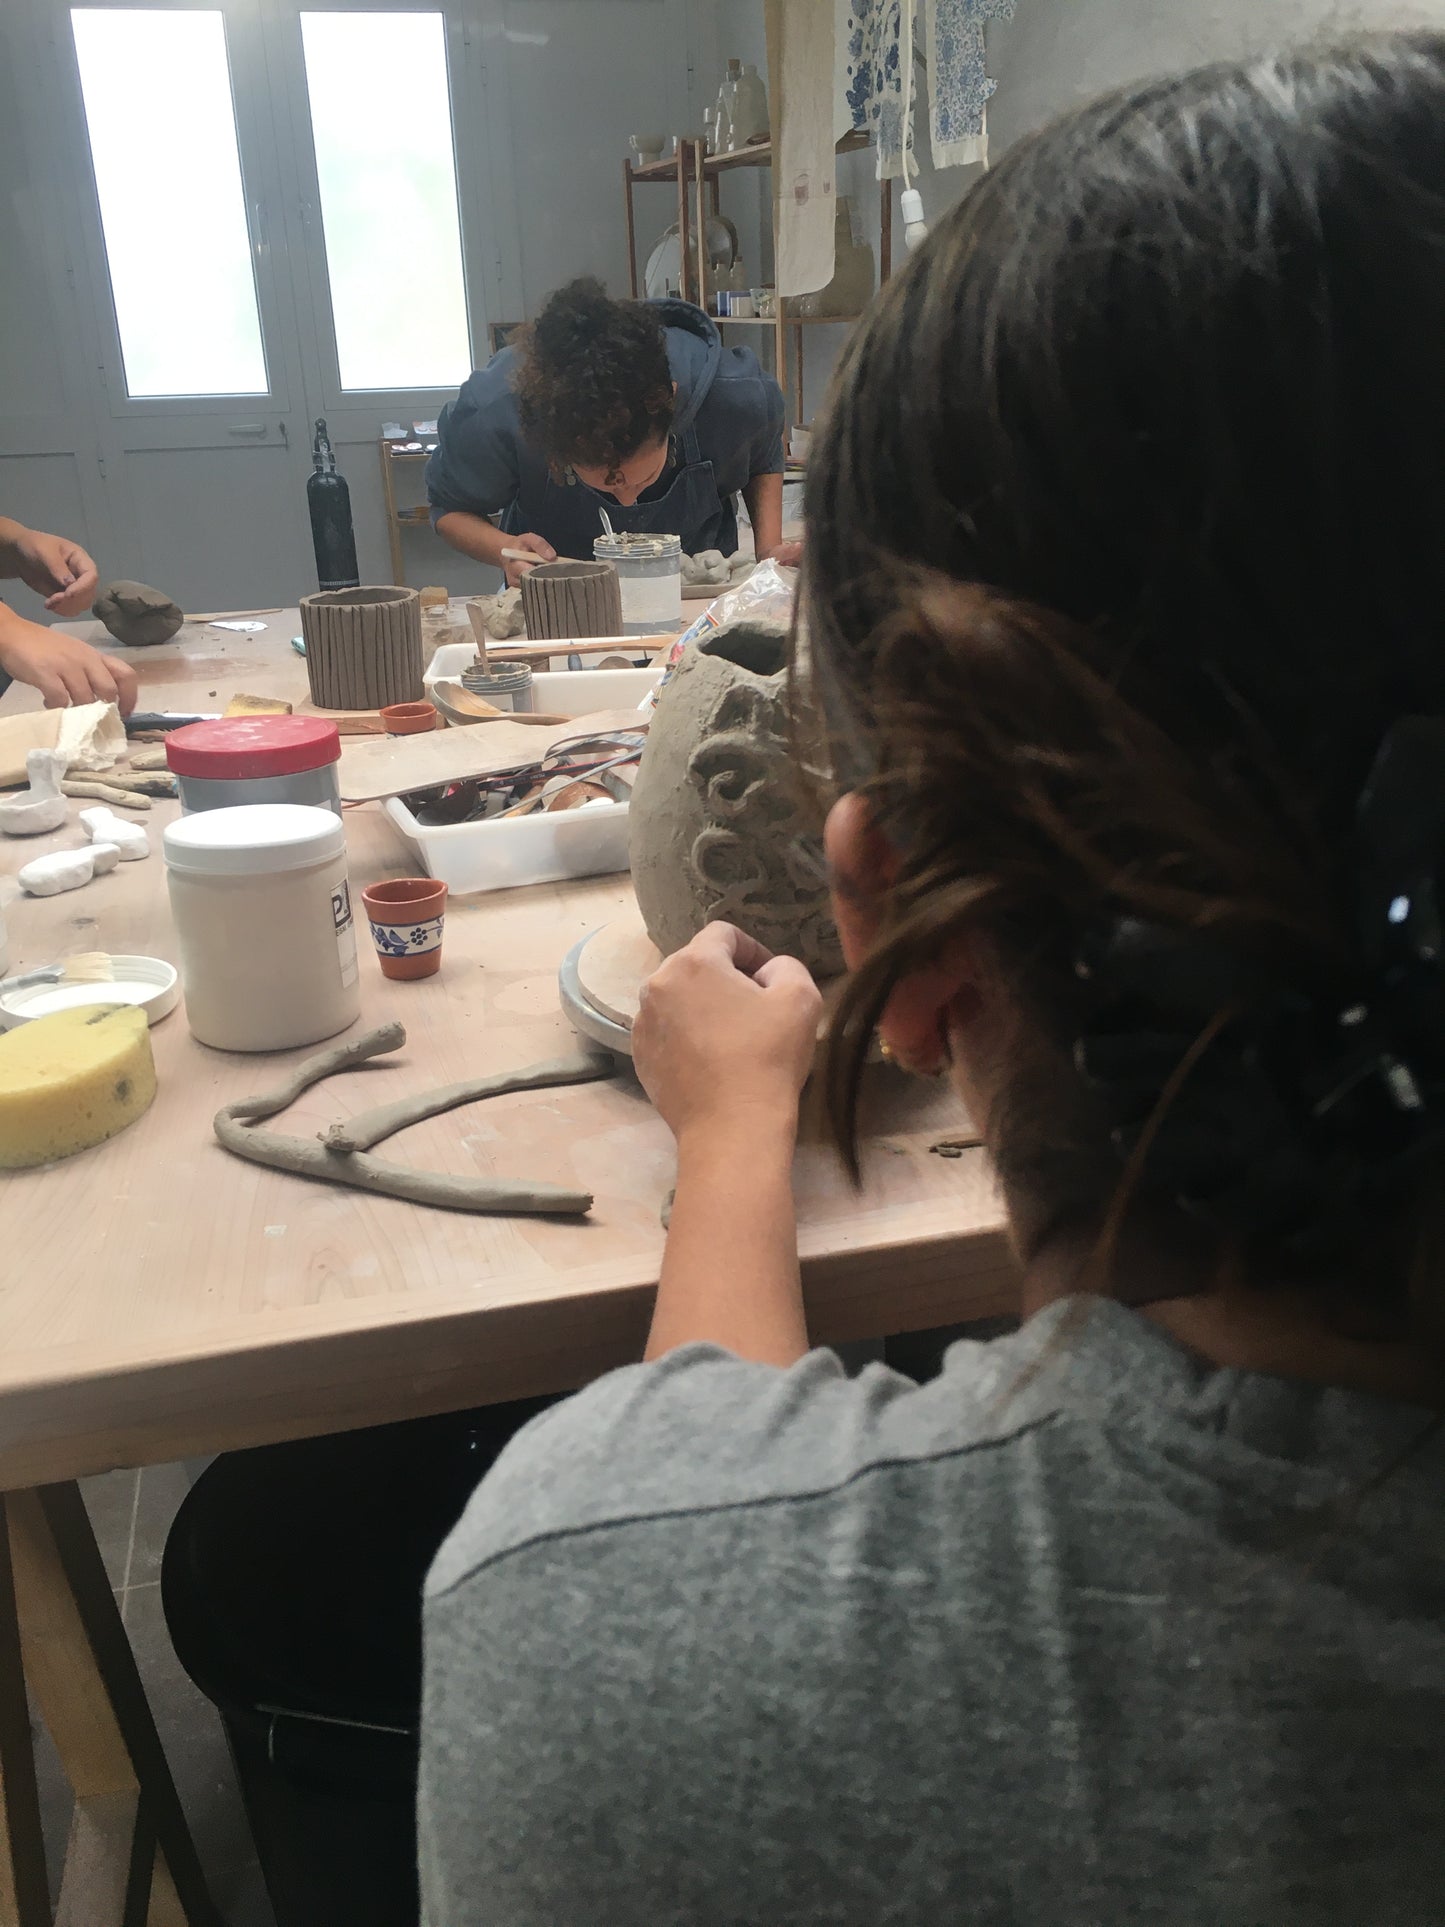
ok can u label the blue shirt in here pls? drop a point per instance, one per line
(727, 427)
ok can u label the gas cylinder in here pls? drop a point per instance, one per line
(329, 500)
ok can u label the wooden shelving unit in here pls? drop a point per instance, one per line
(394, 453)
(695, 178)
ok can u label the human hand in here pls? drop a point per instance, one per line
(58, 569)
(725, 1029)
(787, 555)
(538, 545)
(64, 669)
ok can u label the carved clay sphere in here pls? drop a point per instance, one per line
(720, 828)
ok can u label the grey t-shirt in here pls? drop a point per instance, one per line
(1083, 1631)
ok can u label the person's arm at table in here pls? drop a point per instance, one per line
(64, 669)
(53, 566)
(723, 1044)
(475, 536)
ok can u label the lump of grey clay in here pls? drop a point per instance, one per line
(136, 614)
(720, 827)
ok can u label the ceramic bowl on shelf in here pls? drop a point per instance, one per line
(647, 147)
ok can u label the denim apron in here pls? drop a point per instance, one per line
(569, 514)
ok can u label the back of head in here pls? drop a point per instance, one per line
(1125, 555)
(593, 382)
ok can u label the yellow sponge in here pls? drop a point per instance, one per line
(71, 1080)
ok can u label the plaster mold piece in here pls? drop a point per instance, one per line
(41, 807)
(720, 828)
(363, 647)
(572, 600)
(235, 1126)
(136, 614)
(51, 876)
(104, 826)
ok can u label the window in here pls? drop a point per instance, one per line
(171, 203)
(381, 124)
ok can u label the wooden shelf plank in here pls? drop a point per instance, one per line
(758, 154)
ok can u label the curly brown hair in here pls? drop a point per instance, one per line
(593, 383)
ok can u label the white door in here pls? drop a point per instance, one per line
(188, 305)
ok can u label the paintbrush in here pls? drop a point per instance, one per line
(86, 967)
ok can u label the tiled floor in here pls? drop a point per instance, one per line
(131, 1513)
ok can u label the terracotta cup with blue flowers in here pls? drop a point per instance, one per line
(406, 916)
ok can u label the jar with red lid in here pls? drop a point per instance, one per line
(256, 759)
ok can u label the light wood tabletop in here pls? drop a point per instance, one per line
(162, 1298)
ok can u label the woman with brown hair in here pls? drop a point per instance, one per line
(1124, 599)
(635, 408)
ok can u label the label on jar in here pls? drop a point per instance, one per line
(345, 930)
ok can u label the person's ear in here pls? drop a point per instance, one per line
(931, 1001)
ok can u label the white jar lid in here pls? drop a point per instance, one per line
(253, 838)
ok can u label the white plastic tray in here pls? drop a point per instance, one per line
(469, 857)
(562, 692)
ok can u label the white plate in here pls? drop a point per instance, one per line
(146, 981)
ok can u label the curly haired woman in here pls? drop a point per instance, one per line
(635, 407)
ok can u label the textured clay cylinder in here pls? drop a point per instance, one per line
(363, 647)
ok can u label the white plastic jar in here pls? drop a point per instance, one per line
(649, 570)
(262, 906)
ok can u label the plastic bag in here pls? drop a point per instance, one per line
(766, 597)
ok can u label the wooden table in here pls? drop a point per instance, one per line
(164, 1299)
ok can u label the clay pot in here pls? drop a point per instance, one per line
(363, 647)
(720, 828)
(408, 719)
(406, 916)
(569, 600)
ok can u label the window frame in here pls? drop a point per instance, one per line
(474, 215)
(255, 145)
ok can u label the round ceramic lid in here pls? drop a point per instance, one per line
(236, 748)
(253, 838)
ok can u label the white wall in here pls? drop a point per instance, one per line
(1055, 54)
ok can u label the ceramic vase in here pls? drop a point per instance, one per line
(720, 827)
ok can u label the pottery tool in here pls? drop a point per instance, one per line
(461, 706)
(479, 630)
(527, 555)
(582, 646)
(93, 977)
(397, 765)
(149, 722)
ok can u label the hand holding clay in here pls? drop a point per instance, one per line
(726, 1030)
(538, 545)
(41, 807)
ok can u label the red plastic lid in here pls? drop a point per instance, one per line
(238, 747)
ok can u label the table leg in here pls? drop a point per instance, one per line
(24, 1888)
(129, 1826)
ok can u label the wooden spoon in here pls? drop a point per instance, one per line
(459, 703)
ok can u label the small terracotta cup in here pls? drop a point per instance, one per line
(406, 915)
(409, 719)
